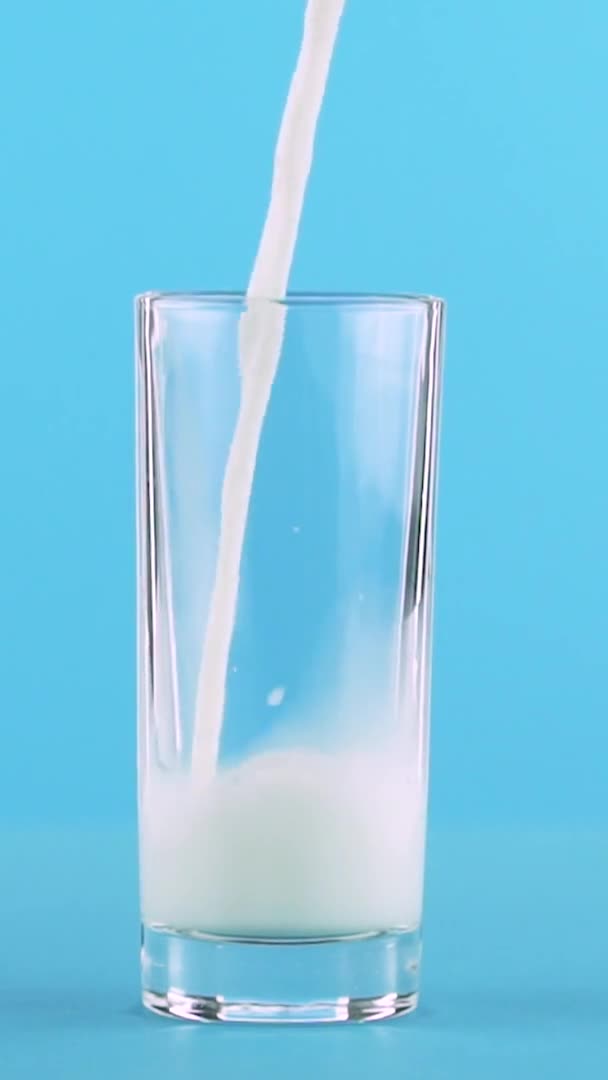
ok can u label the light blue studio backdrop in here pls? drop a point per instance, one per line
(462, 152)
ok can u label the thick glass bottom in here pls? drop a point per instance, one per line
(206, 978)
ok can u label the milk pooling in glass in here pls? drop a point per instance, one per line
(294, 840)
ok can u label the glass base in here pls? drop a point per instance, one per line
(207, 978)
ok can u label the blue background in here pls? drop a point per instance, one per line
(462, 152)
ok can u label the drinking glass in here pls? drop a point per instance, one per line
(282, 849)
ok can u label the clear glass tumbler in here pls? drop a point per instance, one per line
(285, 571)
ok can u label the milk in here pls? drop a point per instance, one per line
(290, 842)
(261, 337)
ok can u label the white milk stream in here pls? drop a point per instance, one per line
(290, 842)
(261, 337)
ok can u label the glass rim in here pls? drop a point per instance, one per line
(203, 298)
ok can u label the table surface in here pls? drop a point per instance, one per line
(515, 971)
